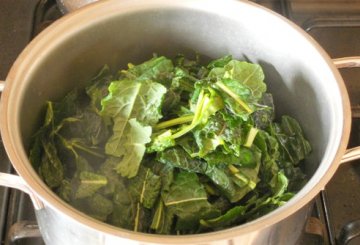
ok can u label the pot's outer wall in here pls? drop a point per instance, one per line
(302, 78)
(65, 231)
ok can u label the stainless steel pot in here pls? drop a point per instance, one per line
(303, 79)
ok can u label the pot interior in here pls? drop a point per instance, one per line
(73, 50)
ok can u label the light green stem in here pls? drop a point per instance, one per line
(173, 122)
(203, 99)
(234, 96)
(251, 136)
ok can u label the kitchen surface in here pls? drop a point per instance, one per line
(335, 24)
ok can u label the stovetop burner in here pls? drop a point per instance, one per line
(334, 24)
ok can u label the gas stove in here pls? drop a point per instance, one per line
(334, 24)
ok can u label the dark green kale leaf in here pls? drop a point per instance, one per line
(183, 81)
(108, 169)
(145, 187)
(246, 158)
(293, 148)
(269, 148)
(130, 200)
(51, 168)
(142, 219)
(245, 180)
(221, 62)
(37, 150)
(231, 217)
(233, 185)
(99, 207)
(185, 188)
(72, 104)
(194, 67)
(98, 88)
(222, 180)
(134, 200)
(290, 136)
(89, 183)
(50, 144)
(87, 125)
(125, 208)
(281, 184)
(261, 205)
(178, 158)
(157, 69)
(163, 218)
(264, 115)
(187, 199)
(255, 207)
(65, 191)
(178, 93)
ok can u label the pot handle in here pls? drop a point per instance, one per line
(349, 62)
(15, 181)
(351, 154)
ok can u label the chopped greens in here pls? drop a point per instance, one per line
(172, 147)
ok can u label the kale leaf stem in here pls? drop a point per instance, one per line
(173, 122)
(80, 147)
(234, 96)
(203, 99)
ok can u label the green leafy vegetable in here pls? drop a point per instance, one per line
(177, 157)
(171, 146)
(89, 183)
(226, 220)
(138, 104)
(124, 211)
(187, 199)
(145, 187)
(133, 148)
(100, 207)
(162, 219)
(51, 168)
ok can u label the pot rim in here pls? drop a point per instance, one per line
(68, 25)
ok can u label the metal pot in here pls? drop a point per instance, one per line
(303, 79)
